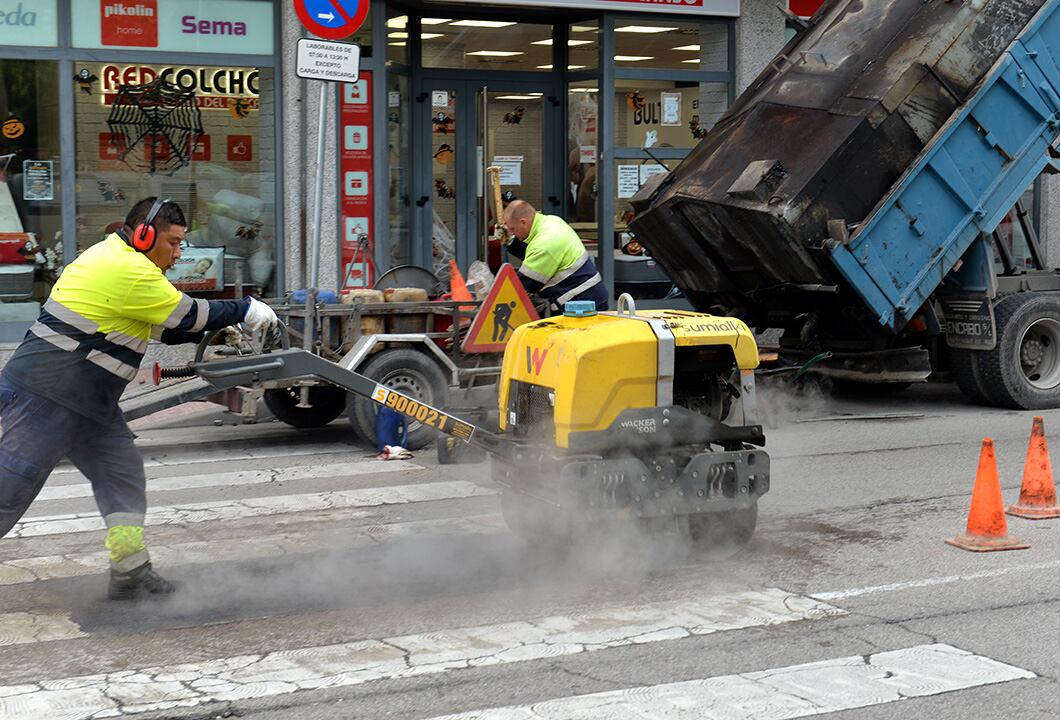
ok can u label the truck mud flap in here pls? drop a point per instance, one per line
(968, 321)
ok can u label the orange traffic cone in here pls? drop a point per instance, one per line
(1038, 493)
(457, 286)
(987, 529)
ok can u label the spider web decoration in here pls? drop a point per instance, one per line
(160, 116)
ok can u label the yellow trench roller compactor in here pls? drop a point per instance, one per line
(643, 418)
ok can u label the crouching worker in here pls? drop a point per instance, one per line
(556, 265)
(59, 392)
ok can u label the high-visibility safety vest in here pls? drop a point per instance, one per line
(91, 335)
(557, 265)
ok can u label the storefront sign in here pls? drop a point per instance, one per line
(220, 26)
(198, 270)
(215, 88)
(728, 8)
(38, 180)
(355, 167)
(28, 22)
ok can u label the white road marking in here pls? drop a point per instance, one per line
(930, 582)
(53, 567)
(243, 477)
(227, 454)
(288, 671)
(228, 510)
(22, 628)
(789, 692)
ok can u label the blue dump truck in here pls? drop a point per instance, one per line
(852, 195)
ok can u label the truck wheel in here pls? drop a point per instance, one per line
(411, 373)
(964, 367)
(1023, 370)
(327, 403)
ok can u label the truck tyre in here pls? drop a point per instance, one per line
(327, 403)
(964, 368)
(1023, 370)
(410, 372)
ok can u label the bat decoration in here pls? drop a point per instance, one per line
(443, 189)
(443, 124)
(109, 192)
(515, 116)
(698, 132)
(84, 79)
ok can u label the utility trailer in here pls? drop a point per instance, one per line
(415, 348)
(852, 193)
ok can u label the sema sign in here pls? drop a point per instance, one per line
(726, 8)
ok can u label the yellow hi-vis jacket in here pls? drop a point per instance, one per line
(90, 337)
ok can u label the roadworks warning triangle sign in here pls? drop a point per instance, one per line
(506, 307)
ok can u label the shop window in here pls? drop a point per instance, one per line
(30, 205)
(486, 45)
(583, 46)
(583, 109)
(399, 133)
(212, 151)
(666, 113)
(397, 40)
(672, 45)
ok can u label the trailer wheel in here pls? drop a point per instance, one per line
(1023, 370)
(411, 373)
(327, 403)
(964, 367)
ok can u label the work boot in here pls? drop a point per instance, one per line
(138, 583)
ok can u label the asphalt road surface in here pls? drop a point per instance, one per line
(317, 582)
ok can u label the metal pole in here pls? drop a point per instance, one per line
(319, 192)
(484, 249)
(314, 252)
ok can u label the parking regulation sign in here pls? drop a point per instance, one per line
(332, 19)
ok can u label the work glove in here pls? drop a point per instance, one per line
(501, 235)
(260, 317)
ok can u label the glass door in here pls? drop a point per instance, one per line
(470, 126)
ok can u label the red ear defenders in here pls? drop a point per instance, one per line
(145, 234)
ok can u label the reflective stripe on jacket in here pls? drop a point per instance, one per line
(557, 265)
(91, 335)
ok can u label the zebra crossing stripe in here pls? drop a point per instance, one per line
(226, 511)
(204, 456)
(54, 567)
(22, 628)
(289, 671)
(242, 477)
(788, 692)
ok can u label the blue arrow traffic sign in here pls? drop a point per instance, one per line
(332, 19)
